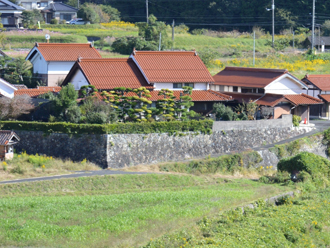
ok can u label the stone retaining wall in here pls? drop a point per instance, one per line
(121, 150)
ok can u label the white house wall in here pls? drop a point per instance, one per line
(39, 64)
(78, 80)
(284, 86)
(6, 90)
(197, 86)
(61, 68)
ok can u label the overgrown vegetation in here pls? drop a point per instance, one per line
(297, 222)
(236, 164)
(27, 166)
(244, 111)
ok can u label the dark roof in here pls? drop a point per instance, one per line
(8, 137)
(247, 77)
(58, 7)
(324, 40)
(7, 5)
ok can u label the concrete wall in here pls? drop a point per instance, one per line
(284, 122)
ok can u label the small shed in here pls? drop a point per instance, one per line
(7, 141)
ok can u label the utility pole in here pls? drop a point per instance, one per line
(319, 37)
(173, 34)
(313, 26)
(273, 33)
(77, 4)
(160, 41)
(254, 48)
(147, 11)
(293, 40)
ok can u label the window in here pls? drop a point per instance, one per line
(249, 90)
(26, 5)
(235, 88)
(42, 4)
(261, 90)
(222, 88)
(177, 85)
(4, 20)
(66, 17)
(189, 84)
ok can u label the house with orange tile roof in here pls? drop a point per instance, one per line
(53, 61)
(6, 89)
(296, 104)
(319, 86)
(276, 91)
(107, 74)
(173, 70)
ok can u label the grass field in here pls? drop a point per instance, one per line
(303, 221)
(112, 211)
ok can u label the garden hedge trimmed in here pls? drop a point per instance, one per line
(203, 126)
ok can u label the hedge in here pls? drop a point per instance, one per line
(41, 38)
(204, 126)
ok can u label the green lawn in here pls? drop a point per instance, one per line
(115, 210)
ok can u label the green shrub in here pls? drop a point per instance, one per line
(314, 165)
(54, 21)
(204, 126)
(296, 120)
(222, 164)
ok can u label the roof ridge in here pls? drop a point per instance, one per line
(165, 52)
(234, 68)
(105, 59)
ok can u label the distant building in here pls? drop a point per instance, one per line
(59, 11)
(10, 14)
(7, 141)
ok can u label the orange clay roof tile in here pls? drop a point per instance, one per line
(325, 97)
(320, 81)
(172, 67)
(298, 99)
(106, 74)
(66, 52)
(36, 92)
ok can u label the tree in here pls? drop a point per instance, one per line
(98, 13)
(151, 32)
(125, 45)
(114, 14)
(30, 18)
(96, 111)
(184, 104)
(326, 27)
(18, 71)
(129, 103)
(12, 108)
